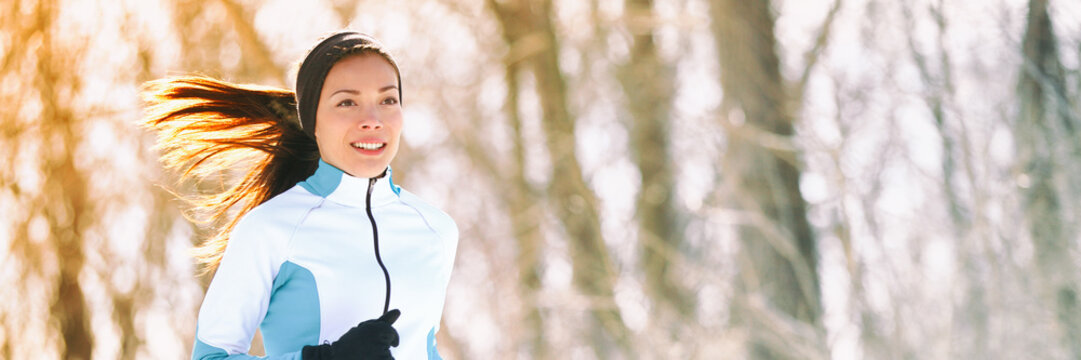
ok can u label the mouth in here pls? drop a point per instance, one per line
(369, 146)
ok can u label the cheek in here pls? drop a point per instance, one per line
(397, 126)
(320, 126)
(330, 123)
(325, 131)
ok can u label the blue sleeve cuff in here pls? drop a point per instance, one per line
(433, 352)
(203, 351)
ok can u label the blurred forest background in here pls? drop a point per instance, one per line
(633, 179)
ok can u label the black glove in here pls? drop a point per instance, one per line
(371, 339)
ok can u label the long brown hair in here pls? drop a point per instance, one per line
(206, 125)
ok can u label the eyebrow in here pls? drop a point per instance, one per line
(356, 92)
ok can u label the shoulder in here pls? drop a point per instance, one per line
(438, 220)
(277, 217)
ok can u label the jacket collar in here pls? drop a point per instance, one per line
(335, 185)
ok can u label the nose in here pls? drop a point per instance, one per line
(370, 121)
(370, 125)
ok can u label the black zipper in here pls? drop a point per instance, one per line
(375, 240)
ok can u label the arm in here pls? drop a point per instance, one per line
(239, 294)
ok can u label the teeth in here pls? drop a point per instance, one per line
(368, 146)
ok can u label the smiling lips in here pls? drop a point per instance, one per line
(369, 147)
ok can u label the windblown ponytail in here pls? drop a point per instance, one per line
(206, 127)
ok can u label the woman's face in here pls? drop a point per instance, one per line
(359, 118)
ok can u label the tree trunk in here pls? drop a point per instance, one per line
(525, 220)
(648, 87)
(778, 292)
(530, 22)
(67, 208)
(1039, 130)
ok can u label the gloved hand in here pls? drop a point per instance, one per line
(370, 339)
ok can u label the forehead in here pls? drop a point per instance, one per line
(361, 69)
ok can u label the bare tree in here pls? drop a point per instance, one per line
(778, 300)
(528, 30)
(258, 59)
(66, 205)
(648, 86)
(1039, 130)
(972, 314)
(525, 220)
(521, 201)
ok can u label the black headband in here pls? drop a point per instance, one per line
(313, 70)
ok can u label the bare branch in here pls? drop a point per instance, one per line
(812, 56)
(258, 52)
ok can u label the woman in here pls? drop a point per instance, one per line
(321, 230)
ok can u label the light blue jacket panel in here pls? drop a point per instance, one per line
(301, 267)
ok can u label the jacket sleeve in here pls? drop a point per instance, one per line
(238, 296)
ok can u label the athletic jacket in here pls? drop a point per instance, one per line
(302, 267)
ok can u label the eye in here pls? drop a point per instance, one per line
(390, 101)
(346, 102)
